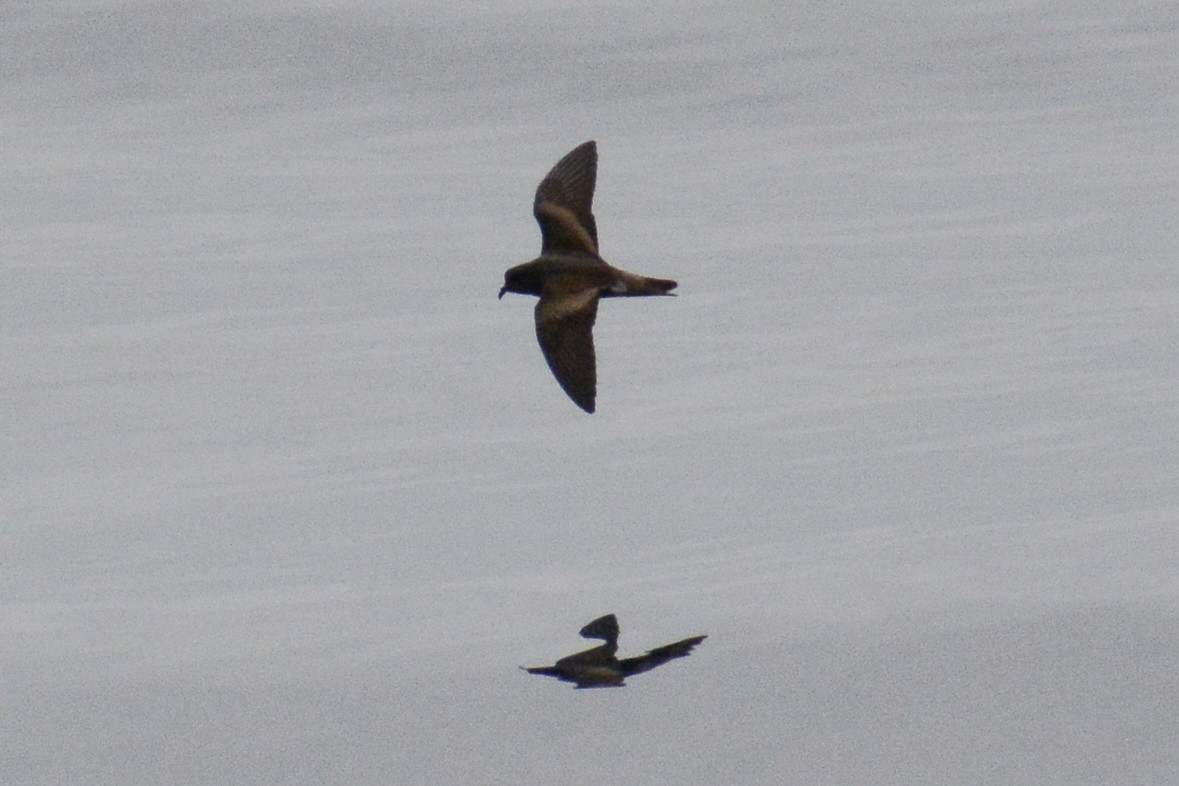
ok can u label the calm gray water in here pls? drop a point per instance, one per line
(287, 495)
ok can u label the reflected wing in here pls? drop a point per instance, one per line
(563, 204)
(564, 328)
(659, 656)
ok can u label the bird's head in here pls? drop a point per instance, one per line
(523, 279)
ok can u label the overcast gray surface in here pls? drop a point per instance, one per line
(288, 495)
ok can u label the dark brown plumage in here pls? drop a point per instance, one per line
(569, 276)
(599, 667)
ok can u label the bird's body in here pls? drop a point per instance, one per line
(570, 276)
(600, 667)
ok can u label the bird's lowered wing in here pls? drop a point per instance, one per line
(564, 328)
(659, 656)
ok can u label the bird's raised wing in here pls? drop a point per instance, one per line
(604, 628)
(564, 203)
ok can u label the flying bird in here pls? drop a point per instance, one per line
(569, 276)
(599, 667)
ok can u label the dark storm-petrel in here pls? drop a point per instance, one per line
(569, 276)
(600, 668)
